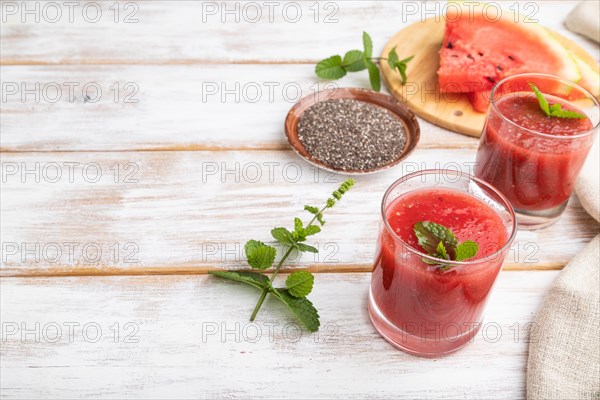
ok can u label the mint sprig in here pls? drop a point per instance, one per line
(439, 242)
(554, 110)
(336, 67)
(400, 65)
(300, 283)
(430, 235)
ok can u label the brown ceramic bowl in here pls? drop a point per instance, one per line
(406, 117)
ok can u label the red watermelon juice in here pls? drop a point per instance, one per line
(426, 309)
(532, 158)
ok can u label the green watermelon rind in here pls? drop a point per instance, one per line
(590, 79)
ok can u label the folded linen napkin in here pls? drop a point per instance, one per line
(584, 19)
(564, 350)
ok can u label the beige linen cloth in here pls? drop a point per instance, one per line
(584, 19)
(564, 350)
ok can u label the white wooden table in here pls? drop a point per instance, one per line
(116, 204)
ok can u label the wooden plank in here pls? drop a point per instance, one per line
(187, 212)
(184, 342)
(177, 107)
(202, 32)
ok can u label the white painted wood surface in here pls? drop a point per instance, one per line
(175, 354)
(165, 107)
(184, 225)
(189, 211)
(188, 32)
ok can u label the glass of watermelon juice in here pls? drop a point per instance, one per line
(417, 302)
(532, 158)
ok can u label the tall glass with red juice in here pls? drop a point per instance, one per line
(418, 303)
(533, 158)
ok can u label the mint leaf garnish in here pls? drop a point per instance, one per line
(541, 99)
(395, 63)
(315, 211)
(354, 61)
(367, 45)
(392, 58)
(298, 227)
(257, 280)
(311, 209)
(441, 251)
(300, 283)
(306, 248)
(302, 308)
(311, 230)
(554, 110)
(259, 255)
(465, 250)
(374, 76)
(300, 232)
(429, 234)
(251, 246)
(335, 67)
(330, 68)
(401, 67)
(439, 242)
(282, 235)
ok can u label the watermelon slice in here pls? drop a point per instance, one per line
(478, 51)
(590, 78)
(480, 100)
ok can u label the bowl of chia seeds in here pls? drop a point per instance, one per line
(351, 131)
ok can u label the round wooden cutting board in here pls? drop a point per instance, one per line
(448, 110)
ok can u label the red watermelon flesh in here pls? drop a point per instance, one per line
(480, 100)
(477, 52)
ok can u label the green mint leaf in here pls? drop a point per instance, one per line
(367, 45)
(303, 309)
(429, 235)
(556, 110)
(257, 280)
(311, 230)
(260, 256)
(300, 283)
(299, 233)
(311, 209)
(466, 250)
(354, 61)
(541, 99)
(407, 60)
(401, 67)
(306, 248)
(283, 236)
(374, 76)
(298, 227)
(402, 70)
(392, 58)
(330, 68)
(441, 251)
(320, 219)
(251, 245)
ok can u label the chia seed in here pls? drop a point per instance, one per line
(349, 134)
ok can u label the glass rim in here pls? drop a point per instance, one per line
(472, 178)
(555, 78)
